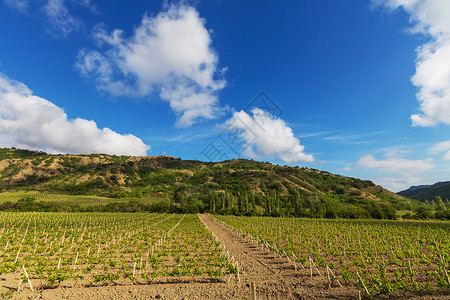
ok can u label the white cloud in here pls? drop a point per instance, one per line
(394, 172)
(169, 54)
(345, 169)
(20, 5)
(432, 77)
(400, 183)
(28, 121)
(86, 4)
(439, 147)
(59, 18)
(442, 147)
(446, 156)
(396, 164)
(264, 135)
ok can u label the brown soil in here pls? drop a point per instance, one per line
(4, 164)
(262, 275)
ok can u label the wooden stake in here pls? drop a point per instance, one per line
(362, 283)
(253, 287)
(75, 263)
(334, 276)
(446, 274)
(237, 267)
(295, 258)
(17, 256)
(28, 278)
(316, 268)
(328, 276)
(287, 256)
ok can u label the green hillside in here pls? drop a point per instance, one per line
(241, 187)
(428, 193)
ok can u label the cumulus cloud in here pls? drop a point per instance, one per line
(264, 135)
(394, 172)
(396, 164)
(442, 147)
(432, 77)
(169, 55)
(28, 121)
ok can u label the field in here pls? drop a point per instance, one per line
(91, 249)
(145, 255)
(378, 257)
(70, 200)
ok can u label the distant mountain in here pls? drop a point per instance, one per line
(416, 187)
(428, 192)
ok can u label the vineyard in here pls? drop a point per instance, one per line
(220, 257)
(50, 250)
(375, 257)
(82, 200)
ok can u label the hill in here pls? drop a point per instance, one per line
(237, 186)
(428, 192)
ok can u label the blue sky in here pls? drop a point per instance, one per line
(358, 88)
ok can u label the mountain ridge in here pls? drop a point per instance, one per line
(416, 187)
(428, 192)
(234, 184)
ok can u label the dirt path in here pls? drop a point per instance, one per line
(273, 276)
(254, 262)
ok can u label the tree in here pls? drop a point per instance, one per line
(439, 204)
(253, 202)
(423, 212)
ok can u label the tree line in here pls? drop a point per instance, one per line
(248, 203)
